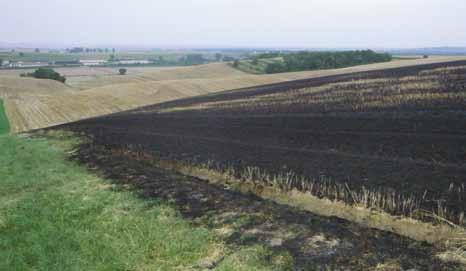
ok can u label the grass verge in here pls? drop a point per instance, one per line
(54, 215)
(4, 124)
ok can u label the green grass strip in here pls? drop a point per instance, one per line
(4, 124)
(55, 215)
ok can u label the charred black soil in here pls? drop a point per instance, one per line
(316, 243)
(393, 140)
(399, 133)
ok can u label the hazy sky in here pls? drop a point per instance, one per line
(233, 23)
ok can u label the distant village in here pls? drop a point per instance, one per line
(84, 62)
(84, 57)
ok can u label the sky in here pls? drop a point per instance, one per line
(235, 23)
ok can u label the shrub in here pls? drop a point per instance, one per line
(45, 73)
(122, 71)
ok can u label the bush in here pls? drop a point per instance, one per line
(45, 73)
(122, 71)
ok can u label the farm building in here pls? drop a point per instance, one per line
(92, 62)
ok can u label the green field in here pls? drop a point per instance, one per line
(169, 56)
(38, 57)
(54, 215)
(4, 124)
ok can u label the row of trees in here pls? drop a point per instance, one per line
(78, 50)
(192, 59)
(189, 59)
(325, 60)
(220, 57)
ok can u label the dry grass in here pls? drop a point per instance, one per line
(31, 103)
(16, 88)
(110, 76)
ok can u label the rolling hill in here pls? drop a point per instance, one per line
(33, 103)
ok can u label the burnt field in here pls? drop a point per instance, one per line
(314, 242)
(393, 140)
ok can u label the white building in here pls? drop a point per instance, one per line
(133, 62)
(92, 62)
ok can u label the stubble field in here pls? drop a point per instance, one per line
(92, 92)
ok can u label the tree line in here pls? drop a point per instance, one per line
(325, 60)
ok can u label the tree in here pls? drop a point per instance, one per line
(218, 57)
(122, 71)
(236, 63)
(228, 58)
(193, 59)
(46, 73)
(275, 67)
(77, 50)
(37, 50)
(21, 54)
